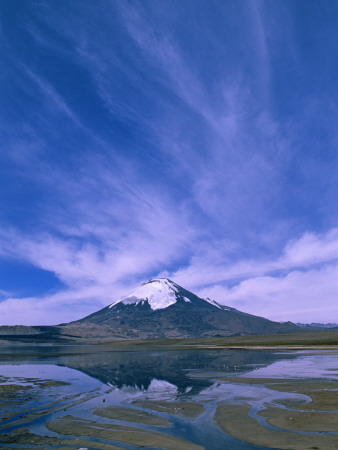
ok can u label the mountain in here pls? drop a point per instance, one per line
(161, 308)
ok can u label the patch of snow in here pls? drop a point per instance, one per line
(157, 390)
(161, 386)
(186, 300)
(160, 293)
(213, 302)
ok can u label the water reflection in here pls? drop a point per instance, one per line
(139, 369)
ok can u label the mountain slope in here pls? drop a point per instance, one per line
(160, 308)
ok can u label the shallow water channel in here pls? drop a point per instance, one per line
(105, 397)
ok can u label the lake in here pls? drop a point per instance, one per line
(108, 397)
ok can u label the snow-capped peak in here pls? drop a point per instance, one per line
(159, 292)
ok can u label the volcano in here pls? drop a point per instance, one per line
(161, 308)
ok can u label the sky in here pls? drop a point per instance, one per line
(188, 139)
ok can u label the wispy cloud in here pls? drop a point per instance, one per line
(309, 250)
(94, 273)
(301, 283)
(102, 249)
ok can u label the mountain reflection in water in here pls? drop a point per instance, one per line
(139, 368)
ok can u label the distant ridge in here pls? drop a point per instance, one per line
(322, 326)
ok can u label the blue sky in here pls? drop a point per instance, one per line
(190, 139)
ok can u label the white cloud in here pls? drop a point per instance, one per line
(311, 248)
(156, 237)
(212, 264)
(300, 285)
(309, 296)
(65, 306)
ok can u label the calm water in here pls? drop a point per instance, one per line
(101, 376)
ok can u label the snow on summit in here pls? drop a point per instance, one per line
(160, 293)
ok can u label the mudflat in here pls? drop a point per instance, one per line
(131, 415)
(304, 423)
(142, 438)
(182, 409)
(17, 411)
